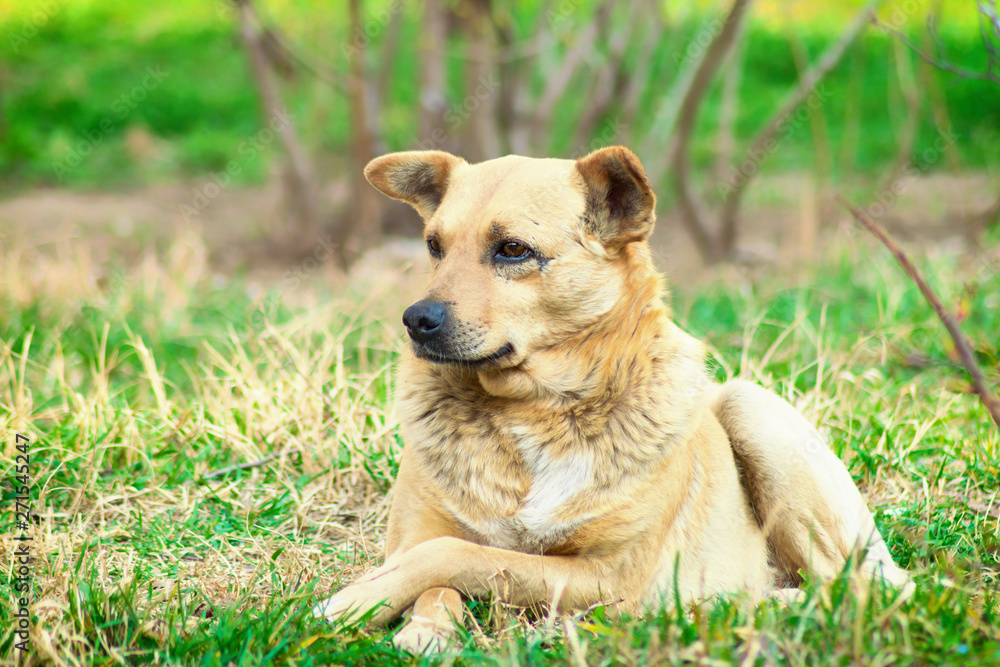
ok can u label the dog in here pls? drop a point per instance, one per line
(564, 444)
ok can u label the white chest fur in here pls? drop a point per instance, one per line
(554, 481)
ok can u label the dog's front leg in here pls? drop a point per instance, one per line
(574, 581)
(436, 615)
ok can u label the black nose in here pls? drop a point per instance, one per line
(425, 319)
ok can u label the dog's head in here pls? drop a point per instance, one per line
(525, 252)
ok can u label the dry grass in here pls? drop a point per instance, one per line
(254, 389)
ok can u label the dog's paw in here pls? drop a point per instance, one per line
(352, 603)
(330, 609)
(417, 637)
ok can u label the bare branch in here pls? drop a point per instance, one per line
(986, 396)
(807, 84)
(604, 86)
(559, 82)
(989, 29)
(250, 464)
(715, 54)
(308, 62)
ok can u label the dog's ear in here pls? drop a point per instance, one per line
(621, 206)
(420, 178)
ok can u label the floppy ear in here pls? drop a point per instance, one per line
(420, 178)
(621, 206)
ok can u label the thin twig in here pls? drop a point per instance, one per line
(294, 52)
(988, 398)
(250, 464)
(291, 51)
(944, 64)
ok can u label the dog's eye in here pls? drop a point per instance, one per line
(513, 250)
(434, 246)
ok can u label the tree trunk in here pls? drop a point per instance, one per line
(911, 97)
(726, 143)
(691, 214)
(299, 179)
(433, 96)
(482, 86)
(362, 229)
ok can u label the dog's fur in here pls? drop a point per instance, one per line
(564, 443)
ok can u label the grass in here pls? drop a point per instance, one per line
(142, 391)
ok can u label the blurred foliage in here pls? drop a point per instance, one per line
(73, 70)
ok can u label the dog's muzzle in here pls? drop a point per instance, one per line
(425, 319)
(439, 338)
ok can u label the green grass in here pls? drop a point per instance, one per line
(151, 548)
(69, 77)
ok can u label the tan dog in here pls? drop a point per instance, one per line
(564, 443)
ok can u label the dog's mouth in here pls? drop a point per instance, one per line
(436, 357)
